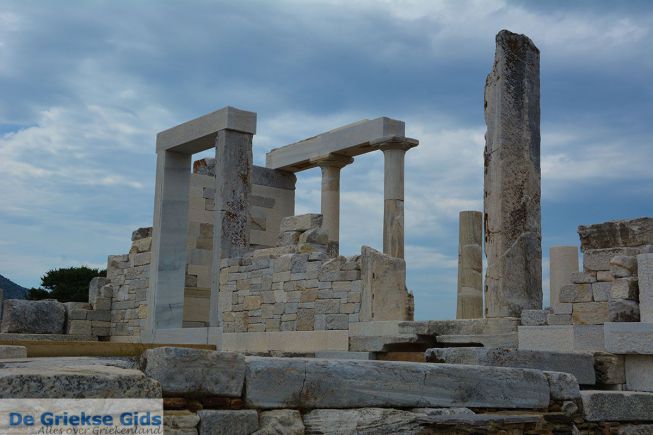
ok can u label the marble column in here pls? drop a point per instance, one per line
(330, 200)
(394, 149)
(470, 266)
(512, 219)
(563, 260)
(233, 173)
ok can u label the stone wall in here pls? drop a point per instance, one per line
(293, 287)
(273, 198)
(129, 277)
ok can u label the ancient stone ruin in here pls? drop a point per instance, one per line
(245, 318)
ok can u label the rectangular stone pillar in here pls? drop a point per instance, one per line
(512, 179)
(470, 266)
(169, 234)
(233, 172)
(563, 261)
(645, 277)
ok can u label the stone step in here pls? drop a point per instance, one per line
(562, 338)
(76, 382)
(581, 365)
(120, 362)
(617, 405)
(485, 340)
(629, 337)
(319, 383)
(505, 325)
(5, 338)
(195, 372)
(389, 343)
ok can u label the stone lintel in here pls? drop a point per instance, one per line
(199, 134)
(350, 140)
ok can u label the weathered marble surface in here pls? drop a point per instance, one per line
(314, 383)
(512, 178)
(33, 317)
(623, 233)
(617, 405)
(281, 421)
(227, 422)
(580, 364)
(76, 382)
(187, 371)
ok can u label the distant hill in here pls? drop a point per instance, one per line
(11, 289)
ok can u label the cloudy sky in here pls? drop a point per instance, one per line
(86, 85)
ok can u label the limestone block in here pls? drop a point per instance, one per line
(141, 233)
(81, 381)
(486, 340)
(281, 421)
(558, 319)
(512, 179)
(601, 291)
(384, 295)
(629, 337)
(563, 308)
(622, 266)
(564, 386)
(581, 365)
(195, 371)
(301, 223)
(563, 262)
(635, 232)
(639, 372)
(180, 419)
(33, 317)
(362, 421)
(617, 405)
(337, 321)
(9, 352)
(609, 368)
(583, 277)
(625, 288)
(562, 338)
(79, 327)
(623, 310)
(590, 313)
(227, 422)
(573, 293)
(534, 317)
(604, 276)
(287, 238)
(599, 259)
(455, 327)
(94, 288)
(645, 275)
(320, 383)
(317, 236)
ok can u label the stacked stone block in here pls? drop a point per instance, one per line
(94, 317)
(129, 276)
(293, 287)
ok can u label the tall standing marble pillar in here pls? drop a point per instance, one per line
(513, 241)
(233, 172)
(330, 199)
(470, 266)
(394, 150)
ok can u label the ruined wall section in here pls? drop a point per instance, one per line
(129, 277)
